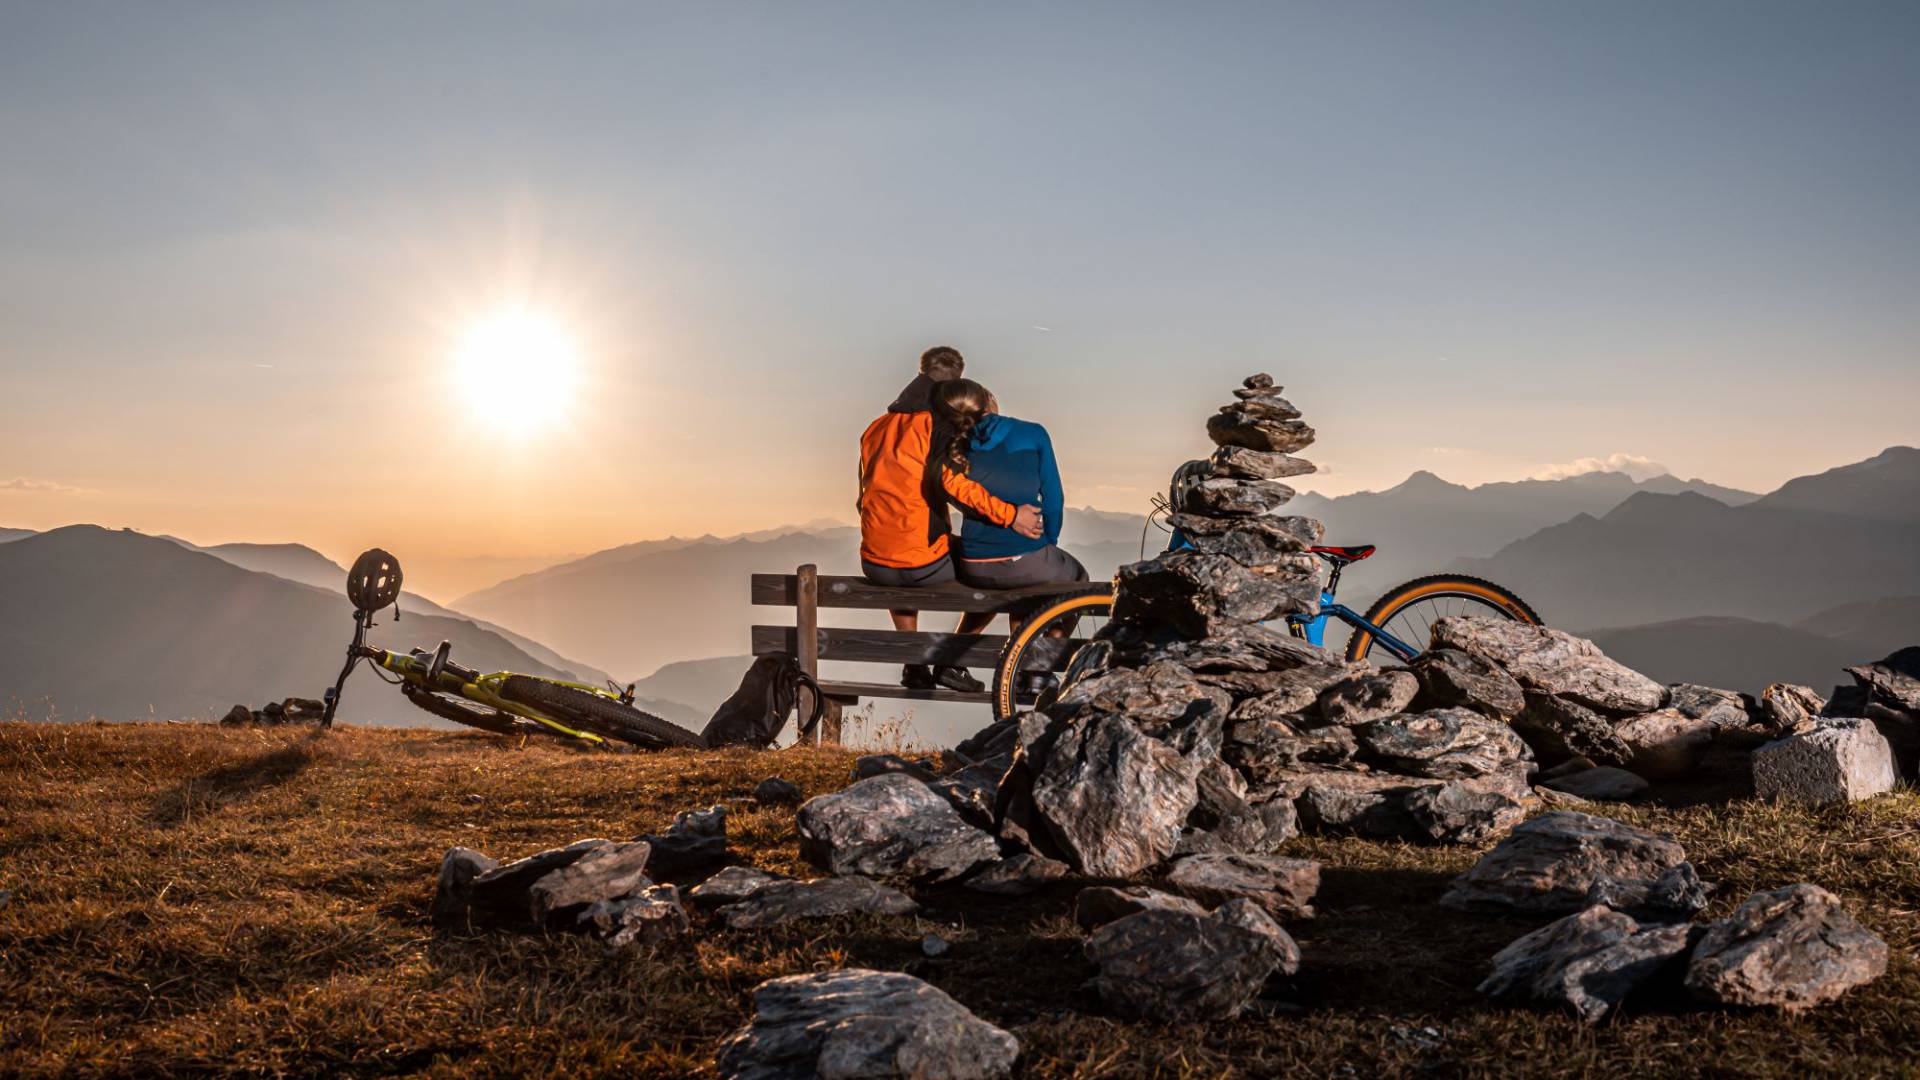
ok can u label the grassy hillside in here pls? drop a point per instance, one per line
(188, 899)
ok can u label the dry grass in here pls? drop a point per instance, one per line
(203, 900)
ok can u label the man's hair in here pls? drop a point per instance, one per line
(942, 362)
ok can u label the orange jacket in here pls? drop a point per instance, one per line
(893, 512)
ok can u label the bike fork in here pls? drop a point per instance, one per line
(362, 622)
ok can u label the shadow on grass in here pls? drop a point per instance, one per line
(217, 787)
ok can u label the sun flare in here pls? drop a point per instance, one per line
(520, 366)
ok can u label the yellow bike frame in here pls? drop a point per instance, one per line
(415, 668)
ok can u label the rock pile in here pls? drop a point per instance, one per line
(293, 710)
(1627, 896)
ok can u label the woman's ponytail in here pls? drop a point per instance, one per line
(958, 405)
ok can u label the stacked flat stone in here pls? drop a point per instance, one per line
(1248, 562)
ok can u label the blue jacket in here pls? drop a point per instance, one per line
(1013, 460)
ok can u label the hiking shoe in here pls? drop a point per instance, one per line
(959, 678)
(917, 677)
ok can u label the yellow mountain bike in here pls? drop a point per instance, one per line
(502, 701)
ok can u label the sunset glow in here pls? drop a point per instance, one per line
(518, 366)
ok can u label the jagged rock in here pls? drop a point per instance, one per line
(1547, 865)
(1168, 965)
(1237, 647)
(696, 839)
(1248, 464)
(1112, 798)
(971, 791)
(777, 791)
(1456, 813)
(1840, 761)
(1366, 804)
(1258, 433)
(1264, 540)
(858, 1023)
(1102, 904)
(1223, 821)
(1588, 962)
(1199, 594)
(1220, 497)
(1895, 679)
(1154, 695)
(1720, 708)
(238, 716)
(1371, 695)
(503, 896)
(732, 885)
(651, 915)
(1602, 784)
(1562, 800)
(1676, 895)
(821, 898)
(1454, 677)
(1558, 728)
(1293, 692)
(1666, 744)
(1446, 744)
(1790, 708)
(1018, 875)
(1284, 888)
(453, 894)
(1263, 750)
(871, 765)
(607, 872)
(1792, 947)
(992, 746)
(887, 825)
(1550, 661)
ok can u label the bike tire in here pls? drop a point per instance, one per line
(1474, 592)
(470, 713)
(591, 712)
(1006, 675)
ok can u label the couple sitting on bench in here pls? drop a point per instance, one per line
(943, 442)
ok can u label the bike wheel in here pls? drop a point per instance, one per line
(1072, 619)
(592, 712)
(471, 713)
(1409, 611)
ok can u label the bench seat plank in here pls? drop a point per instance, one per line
(900, 647)
(782, 590)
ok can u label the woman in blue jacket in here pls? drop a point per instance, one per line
(1013, 460)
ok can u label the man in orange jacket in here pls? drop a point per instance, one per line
(902, 542)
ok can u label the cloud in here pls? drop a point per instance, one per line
(38, 487)
(1635, 466)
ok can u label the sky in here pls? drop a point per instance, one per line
(244, 249)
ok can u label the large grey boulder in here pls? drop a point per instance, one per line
(1791, 947)
(1222, 820)
(1454, 677)
(1840, 761)
(1283, 888)
(652, 914)
(1550, 661)
(1445, 744)
(1460, 813)
(1265, 749)
(1238, 647)
(1199, 594)
(1588, 962)
(888, 825)
(1097, 906)
(1292, 693)
(1165, 965)
(855, 1023)
(1111, 798)
(1546, 866)
(1158, 694)
(1558, 728)
(782, 902)
(1383, 805)
(1249, 541)
(607, 872)
(1368, 696)
(1213, 496)
(503, 896)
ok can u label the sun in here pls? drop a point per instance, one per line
(519, 366)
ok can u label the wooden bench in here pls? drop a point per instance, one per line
(806, 591)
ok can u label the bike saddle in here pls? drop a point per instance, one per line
(1344, 555)
(374, 581)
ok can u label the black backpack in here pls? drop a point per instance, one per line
(757, 712)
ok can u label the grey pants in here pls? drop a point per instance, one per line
(1042, 567)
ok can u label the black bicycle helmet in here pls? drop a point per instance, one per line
(374, 581)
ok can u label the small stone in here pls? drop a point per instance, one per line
(933, 946)
(1454, 677)
(607, 872)
(1368, 696)
(891, 824)
(453, 894)
(1102, 904)
(860, 1023)
(1546, 866)
(777, 791)
(1169, 965)
(821, 898)
(1791, 708)
(1603, 784)
(732, 885)
(238, 716)
(1676, 895)
(1588, 962)
(1790, 947)
(871, 765)
(503, 896)
(1666, 744)
(696, 839)
(1721, 708)
(1018, 875)
(651, 915)
(1841, 761)
(1284, 888)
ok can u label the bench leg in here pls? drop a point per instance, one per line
(828, 731)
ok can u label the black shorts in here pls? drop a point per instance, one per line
(937, 572)
(1042, 567)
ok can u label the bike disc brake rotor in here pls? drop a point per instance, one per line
(374, 581)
